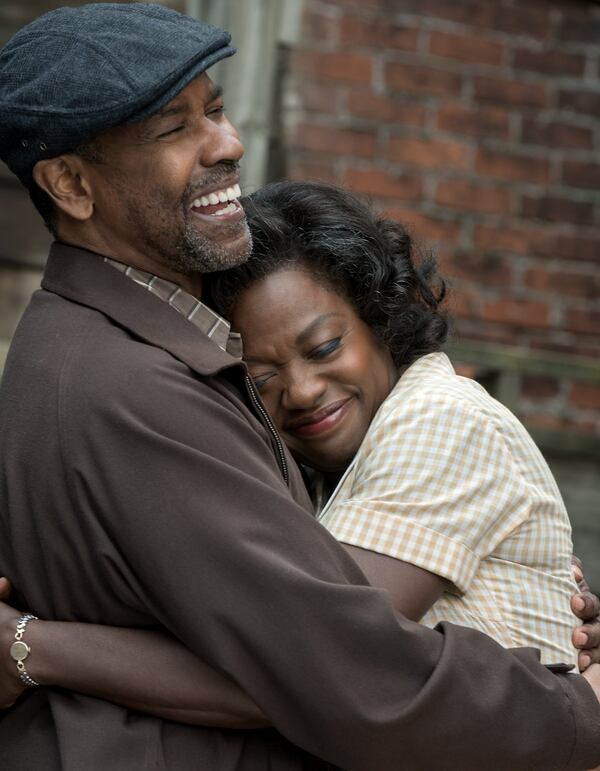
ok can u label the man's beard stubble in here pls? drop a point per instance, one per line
(196, 253)
(187, 249)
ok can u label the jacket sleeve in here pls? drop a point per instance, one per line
(200, 529)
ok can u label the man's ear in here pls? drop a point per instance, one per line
(63, 178)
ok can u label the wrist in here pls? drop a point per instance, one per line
(20, 650)
(7, 638)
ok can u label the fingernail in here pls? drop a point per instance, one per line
(578, 603)
(580, 639)
(584, 661)
(577, 573)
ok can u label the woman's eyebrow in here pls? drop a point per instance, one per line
(302, 336)
(307, 331)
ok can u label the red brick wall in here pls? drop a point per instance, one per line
(476, 123)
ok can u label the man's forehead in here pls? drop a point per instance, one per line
(201, 88)
(201, 91)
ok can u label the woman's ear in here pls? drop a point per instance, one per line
(63, 178)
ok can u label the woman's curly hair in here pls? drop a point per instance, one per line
(367, 259)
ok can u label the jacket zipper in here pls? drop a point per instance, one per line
(267, 419)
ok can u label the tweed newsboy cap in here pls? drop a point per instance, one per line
(75, 72)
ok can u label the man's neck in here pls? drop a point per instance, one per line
(191, 283)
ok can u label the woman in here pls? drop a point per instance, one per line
(342, 334)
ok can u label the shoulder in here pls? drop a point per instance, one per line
(431, 393)
(114, 384)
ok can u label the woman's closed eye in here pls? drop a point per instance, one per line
(325, 350)
(261, 380)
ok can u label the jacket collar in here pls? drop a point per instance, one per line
(85, 278)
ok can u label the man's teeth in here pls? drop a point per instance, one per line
(231, 207)
(219, 196)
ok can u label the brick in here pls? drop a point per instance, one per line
(470, 197)
(517, 312)
(537, 242)
(585, 285)
(557, 135)
(383, 184)
(514, 20)
(589, 352)
(554, 209)
(554, 62)
(318, 97)
(377, 33)
(587, 102)
(369, 4)
(585, 395)
(310, 168)
(475, 266)
(331, 65)
(466, 370)
(512, 93)
(584, 30)
(489, 122)
(503, 239)
(573, 248)
(318, 26)
(462, 304)
(585, 322)
(512, 168)
(420, 79)
(539, 387)
(369, 106)
(466, 48)
(428, 153)
(337, 141)
(424, 228)
(561, 423)
(538, 278)
(581, 174)
(489, 333)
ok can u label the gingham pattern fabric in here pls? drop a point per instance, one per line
(213, 325)
(449, 480)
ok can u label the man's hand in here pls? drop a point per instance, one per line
(10, 685)
(586, 606)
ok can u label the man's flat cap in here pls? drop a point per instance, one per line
(74, 72)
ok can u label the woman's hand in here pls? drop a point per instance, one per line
(586, 606)
(10, 685)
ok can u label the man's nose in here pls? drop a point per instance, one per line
(220, 142)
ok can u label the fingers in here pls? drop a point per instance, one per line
(587, 639)
(585, 606)
(587, 636)
(5, 588)
(577, 568)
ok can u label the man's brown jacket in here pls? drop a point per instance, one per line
(139, 487)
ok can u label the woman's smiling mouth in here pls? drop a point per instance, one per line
(319, 422)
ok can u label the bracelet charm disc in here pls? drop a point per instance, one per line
(19, 650)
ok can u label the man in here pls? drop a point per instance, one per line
(142, 482)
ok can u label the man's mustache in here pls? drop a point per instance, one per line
(217, 174)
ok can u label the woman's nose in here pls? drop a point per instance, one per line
(303, 391)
